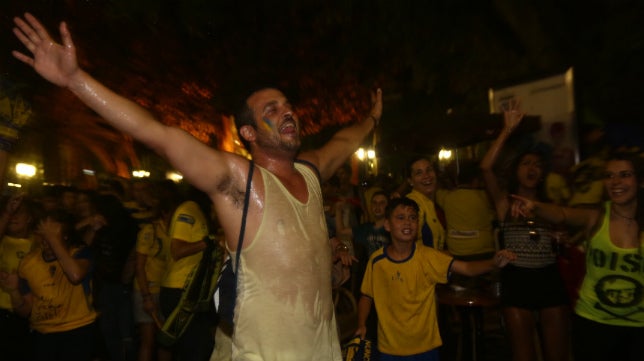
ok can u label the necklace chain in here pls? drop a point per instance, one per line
(629, 219)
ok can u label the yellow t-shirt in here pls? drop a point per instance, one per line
(58, 305)
(557, 189)
(12, 251)
(469, 217)
(404, 295)
(368, 194)
(189, 225)
(591, 193)
(152, 241)
(430, 228)
(587, 185)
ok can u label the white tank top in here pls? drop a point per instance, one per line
(284, 309)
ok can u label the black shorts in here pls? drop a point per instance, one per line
(532, 288)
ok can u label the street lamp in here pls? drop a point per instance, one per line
(444, 155)
(174, 176)
(360, 153)
(25, 170)
(447, 156)
(368, 158)
(140, 173)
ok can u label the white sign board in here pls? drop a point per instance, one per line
(552, 99)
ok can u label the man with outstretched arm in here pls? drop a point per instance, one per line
(284, 309)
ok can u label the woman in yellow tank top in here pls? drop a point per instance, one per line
(609, 315)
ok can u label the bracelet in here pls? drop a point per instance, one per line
(342, 248)
(375, 121)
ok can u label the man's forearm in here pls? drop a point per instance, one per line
(120, 112)
(342, 145)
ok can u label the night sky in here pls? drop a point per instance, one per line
(189, 60)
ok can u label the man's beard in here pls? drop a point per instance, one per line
(292, 146)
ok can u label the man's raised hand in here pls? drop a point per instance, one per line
(53, 61)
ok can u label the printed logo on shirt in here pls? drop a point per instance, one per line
(619, 297)
(185, 218)
(619, 291)
(397, 277)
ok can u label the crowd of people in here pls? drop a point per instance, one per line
(119, 275)
(553, 306)
(84, 270)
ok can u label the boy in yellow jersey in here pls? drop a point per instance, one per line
(400, 280)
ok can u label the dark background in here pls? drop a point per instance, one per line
(187, 61)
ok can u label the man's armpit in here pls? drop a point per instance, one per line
(230, 190)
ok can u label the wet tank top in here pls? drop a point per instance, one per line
(284, 308)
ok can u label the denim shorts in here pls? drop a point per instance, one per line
(140, 316)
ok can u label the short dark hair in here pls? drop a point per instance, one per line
(71, 237)
(243, 113)
(244, 116)
(401, 201)
(380, 193)
(415, 159)
(33, 208)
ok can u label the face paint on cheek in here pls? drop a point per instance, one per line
(267, 124)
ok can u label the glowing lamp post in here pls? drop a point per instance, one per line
(25, 170)
(140, 173)
(445, 155)
(174, 176)
(368, 158)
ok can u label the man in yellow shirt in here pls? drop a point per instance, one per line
(188, 229)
